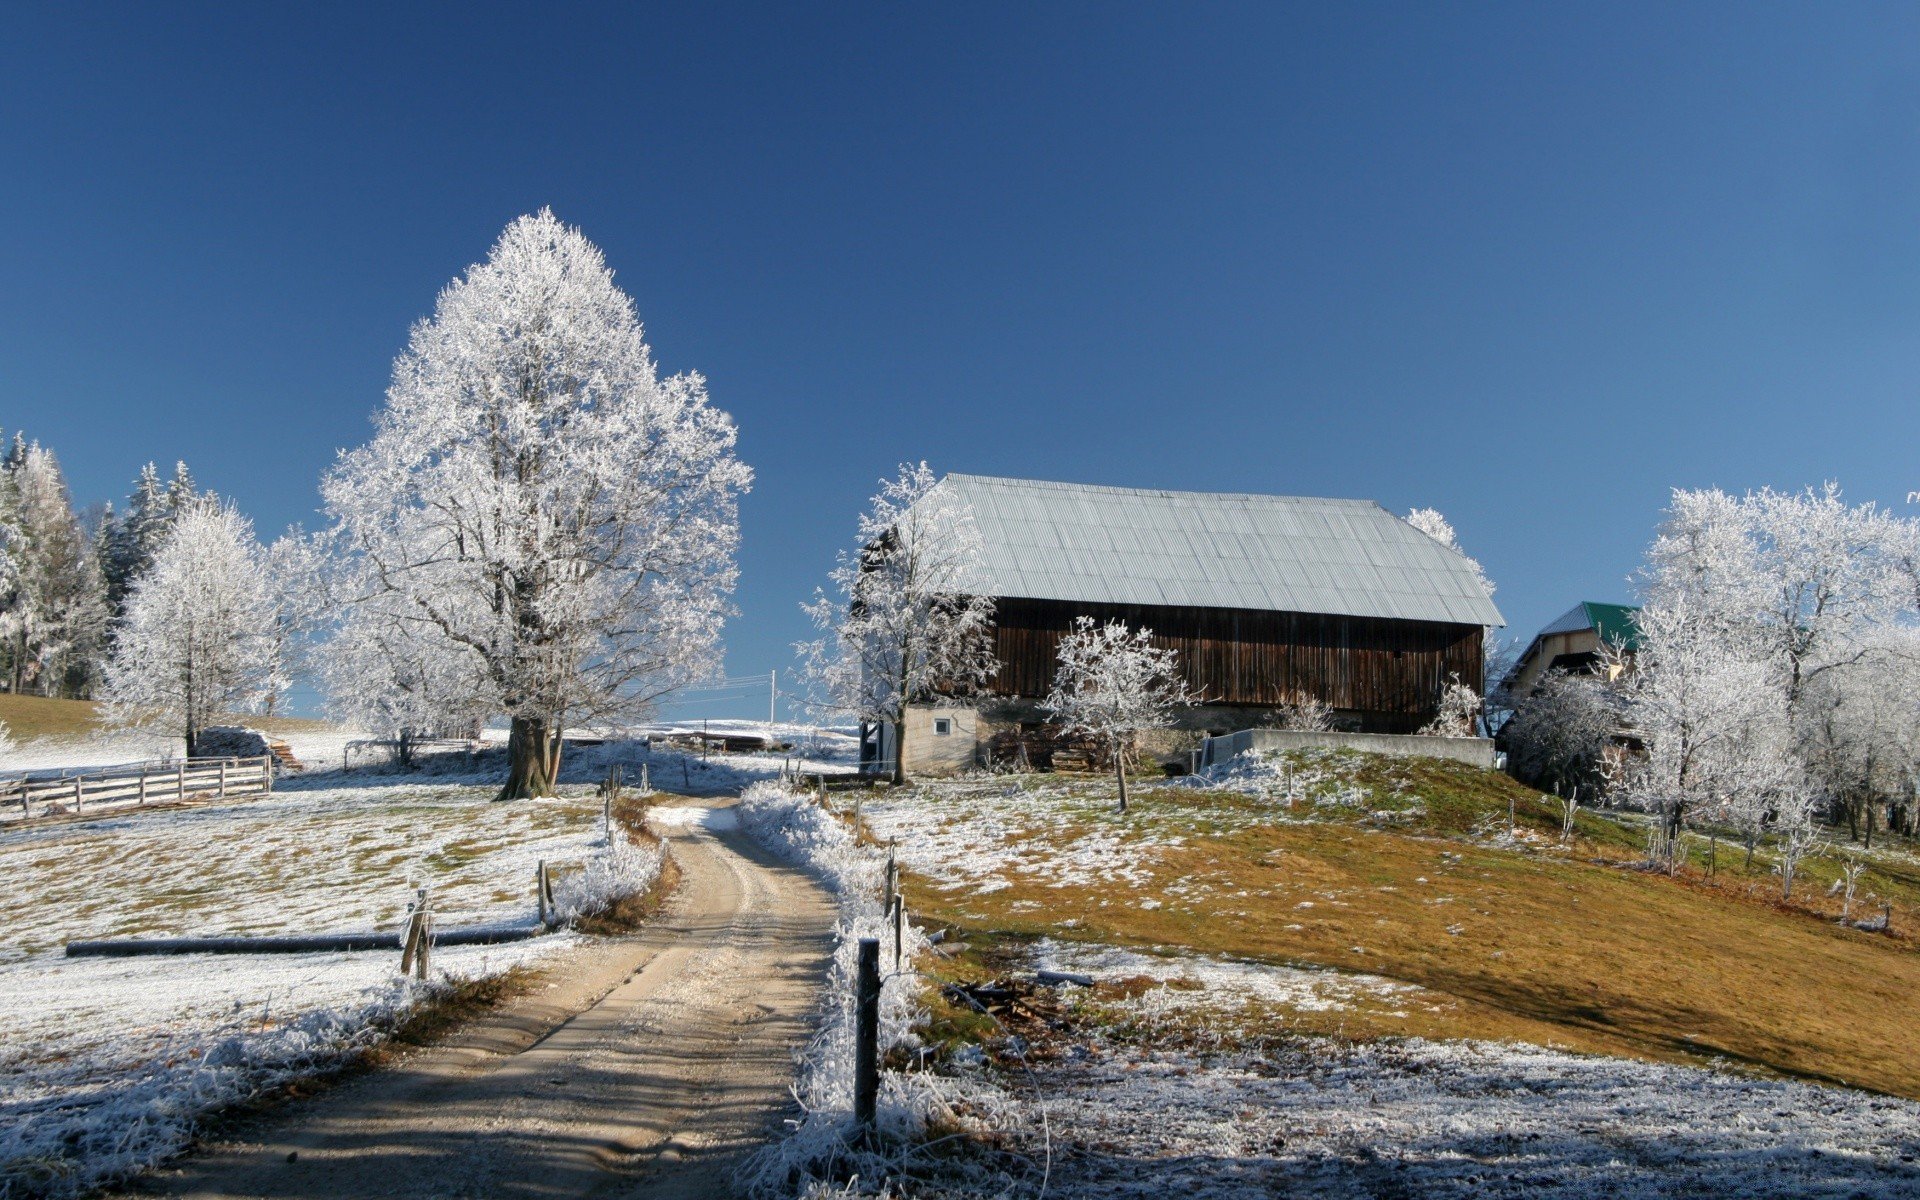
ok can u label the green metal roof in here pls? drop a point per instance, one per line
(1614, 623)
(1617, 624)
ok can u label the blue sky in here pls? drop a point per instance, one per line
(1529, 265)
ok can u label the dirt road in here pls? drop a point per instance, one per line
(676, 1064)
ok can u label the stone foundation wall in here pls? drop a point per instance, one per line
(1478, 752)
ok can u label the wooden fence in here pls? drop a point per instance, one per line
(35, 795)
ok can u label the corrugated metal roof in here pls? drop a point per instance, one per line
(1106, 545)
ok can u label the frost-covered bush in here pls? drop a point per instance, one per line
(620, 871)
(799, 830)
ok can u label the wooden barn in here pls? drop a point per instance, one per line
(1267, 599)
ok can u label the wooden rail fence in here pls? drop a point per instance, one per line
(35, 795)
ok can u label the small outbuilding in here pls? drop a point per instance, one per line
(1578, 642)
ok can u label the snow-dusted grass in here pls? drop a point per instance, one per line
(1454, 1119)
(315, 748)
(1174, 1081)
(665, 768)
(985, 835)
(1190, 983)
(107, 1063)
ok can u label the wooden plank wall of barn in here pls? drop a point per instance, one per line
(1250, 657)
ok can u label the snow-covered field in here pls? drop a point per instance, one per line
(318, 748)
(1452, 1119)
(106, 1061)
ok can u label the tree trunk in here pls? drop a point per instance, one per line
(900, 749)
(532, 754)
(1869, 806)
(1120, 770)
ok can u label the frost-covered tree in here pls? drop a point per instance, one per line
(398, 680)
(1710, 714)
(1799, 837)
(1858, 729)
(133, 538)
(1114, 684)
(1763, 673)
(904, 625)
(299, 577)
(538, 501)
(198, 638)
(1825, 569)
(1560, 734)
(52, 615)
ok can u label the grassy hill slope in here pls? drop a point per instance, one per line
(30, 717)
(1409, 869)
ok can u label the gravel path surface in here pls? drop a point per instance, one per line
(647, 1070)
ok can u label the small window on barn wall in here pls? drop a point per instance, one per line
(943, 726)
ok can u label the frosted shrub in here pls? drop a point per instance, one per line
(621, 870)
(1304, 713)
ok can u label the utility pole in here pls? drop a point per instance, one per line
(773, 691)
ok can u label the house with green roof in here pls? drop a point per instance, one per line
(1576, 643)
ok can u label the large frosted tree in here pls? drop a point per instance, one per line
(538, 504)
(197, 640)
(905, 624)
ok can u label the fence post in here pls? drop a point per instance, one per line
(866, 1058)
(413, 946)
(180, 784)
(899, 932)
(143, 785)
(77, 793)
(223, 779)
(266, 772)
(409, 941)
(424, 948)
(540, 890)
(646, 785)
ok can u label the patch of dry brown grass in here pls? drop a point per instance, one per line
(30, 717)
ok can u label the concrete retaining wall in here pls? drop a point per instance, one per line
(1476, 752)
